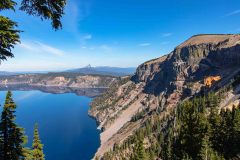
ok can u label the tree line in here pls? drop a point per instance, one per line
(196, 130)
(12, 137)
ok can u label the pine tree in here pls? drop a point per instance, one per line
(167, 147)
(9, 37)
(236, 130)
(206, 152)
(140, 151)
(151, 155)
(27, 154)
(1, 145)
(37, 146)
(215, 132)
(11, 135)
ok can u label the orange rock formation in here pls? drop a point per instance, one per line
(210, 80)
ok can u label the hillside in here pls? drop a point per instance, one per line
(63, 82)
(202, 66)
(104, 70)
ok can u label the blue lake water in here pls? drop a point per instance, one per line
(66, 130)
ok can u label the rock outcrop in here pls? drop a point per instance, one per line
(89, 85)
(209, 81)
(199, 56)
(160, 84)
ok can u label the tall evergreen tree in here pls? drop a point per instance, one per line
(11, 135)
(27, 154)
(140, 151)
(206, 152)
(235, 137)
(37, 146)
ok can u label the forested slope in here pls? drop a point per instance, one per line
(175, 105)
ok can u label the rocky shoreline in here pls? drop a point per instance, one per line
(83, 85)
(89, 92)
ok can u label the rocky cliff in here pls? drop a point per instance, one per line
(159, 85)
(89, 85)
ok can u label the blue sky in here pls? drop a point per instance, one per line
(120, 33)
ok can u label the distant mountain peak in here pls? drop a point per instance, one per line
(105, 70)
(89, 66)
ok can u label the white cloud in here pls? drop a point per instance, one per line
(144, 44)
(34, 65)
(232, 13)
(50, 49)
(164, 43)
(84, 39)
(75, 11)
(106, 48)
(87, 37)
(93, 47)
(27, 46)
(38, 47)
(167, 34)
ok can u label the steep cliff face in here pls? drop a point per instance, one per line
(160, 84)
(199, 56)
